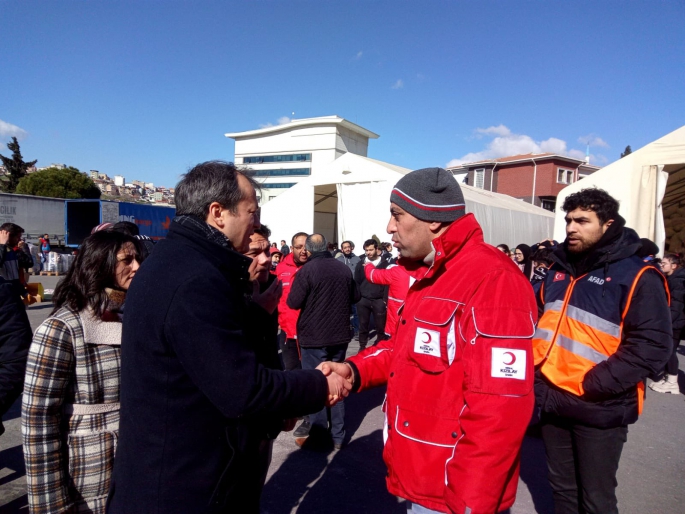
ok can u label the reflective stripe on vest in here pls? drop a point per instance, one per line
(569, 341)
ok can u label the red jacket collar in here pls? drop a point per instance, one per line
(462, 233)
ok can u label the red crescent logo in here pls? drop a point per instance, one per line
(429, 338)
(513, 359)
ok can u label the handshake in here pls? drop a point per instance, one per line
(340, 379)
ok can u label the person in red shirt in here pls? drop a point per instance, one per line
(398, 277)
(459, 369)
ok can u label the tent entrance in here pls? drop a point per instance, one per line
(326, 211)
(673, 206)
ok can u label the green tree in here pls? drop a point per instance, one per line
(59, 183)
(15, 166)
(627, 151)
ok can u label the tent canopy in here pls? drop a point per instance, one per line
(648, 183)
(349, 200)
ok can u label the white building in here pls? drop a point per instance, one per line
(284, 155)
(119, 180)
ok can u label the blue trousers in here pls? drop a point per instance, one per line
(311, 358)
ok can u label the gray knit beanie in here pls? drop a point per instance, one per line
(429, 194)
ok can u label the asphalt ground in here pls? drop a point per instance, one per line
(651, 475)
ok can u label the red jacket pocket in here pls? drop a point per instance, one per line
(433, 343)
(498, 351)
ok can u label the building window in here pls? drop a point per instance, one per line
(278, 186)
(296, 157)
(549, 205)
(564, 176)
(293, 172)
(479, 178)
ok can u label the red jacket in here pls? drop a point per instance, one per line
(287, 317)
(399, 278)
(459, 375)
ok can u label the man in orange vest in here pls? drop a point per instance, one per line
(604, 328)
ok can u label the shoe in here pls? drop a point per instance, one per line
(303, 430)
(668, 385)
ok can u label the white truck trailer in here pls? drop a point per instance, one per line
(37, 215)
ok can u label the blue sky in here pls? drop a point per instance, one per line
(147, 89)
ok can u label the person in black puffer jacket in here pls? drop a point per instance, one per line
(672, 266)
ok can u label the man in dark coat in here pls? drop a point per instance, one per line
(324, 291)
(374, 296)
(190, 381)
(15, 339)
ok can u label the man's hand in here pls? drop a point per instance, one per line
(268, 300)
(340, 368)
(4, 237)
(338, 387)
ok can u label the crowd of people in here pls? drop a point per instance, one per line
(159, 383)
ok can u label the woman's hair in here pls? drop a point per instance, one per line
(93, 270)
(674, 258)
(504, 248)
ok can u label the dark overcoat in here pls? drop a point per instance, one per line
(191, 383)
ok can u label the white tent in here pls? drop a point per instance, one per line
(350, 200)
(648, 183)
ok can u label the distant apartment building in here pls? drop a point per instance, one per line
(283, 155)
(158, 196)
(94, 174)
(119, 180)
(533, 178)
(149, 185)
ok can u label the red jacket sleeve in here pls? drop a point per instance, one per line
(373, 364)
(495, 334)
(378, 276)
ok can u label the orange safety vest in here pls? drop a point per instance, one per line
(582, 324)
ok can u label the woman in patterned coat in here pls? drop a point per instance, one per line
(70, 409)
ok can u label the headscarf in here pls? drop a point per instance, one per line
(526, 266)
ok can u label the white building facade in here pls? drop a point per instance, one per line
(283, 155)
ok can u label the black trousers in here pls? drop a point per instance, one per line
(672, 364)
(365, 307)
(289, 353)
(582, 463)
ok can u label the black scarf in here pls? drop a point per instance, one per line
(209, 232)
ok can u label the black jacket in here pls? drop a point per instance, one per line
(191, 384)
(676, 285)
(323, 291)
(610, 398)
(15, 339)
(261, 332)
(367, 289)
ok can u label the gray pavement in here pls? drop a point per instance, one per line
(352, 480)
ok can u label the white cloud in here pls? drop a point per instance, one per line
(9, 130)
(593, 140)
(280, 121)
(576, 154)
(359, 55)
(398, 85)
(505, 143)
(499, 130)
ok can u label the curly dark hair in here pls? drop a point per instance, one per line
(93, 270)
(593, 199)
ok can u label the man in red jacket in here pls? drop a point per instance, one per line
(287, 317)
(459, 369)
